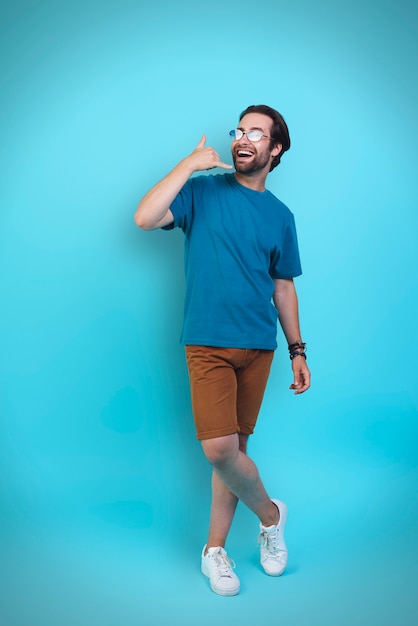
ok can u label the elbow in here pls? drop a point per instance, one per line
(141, 221)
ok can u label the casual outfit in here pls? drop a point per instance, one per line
(237, 241)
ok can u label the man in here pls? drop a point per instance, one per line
(241, 256)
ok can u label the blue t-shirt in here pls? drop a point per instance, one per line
(237, 241)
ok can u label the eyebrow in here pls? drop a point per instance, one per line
(252, 128)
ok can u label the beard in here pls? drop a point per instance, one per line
(254, 165)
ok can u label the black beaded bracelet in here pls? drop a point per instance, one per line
(294, 346)
(297, 353)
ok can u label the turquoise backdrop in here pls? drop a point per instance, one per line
(104, 489)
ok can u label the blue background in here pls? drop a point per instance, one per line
(104, 489)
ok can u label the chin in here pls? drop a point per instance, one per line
(247, 170)
(243, 169)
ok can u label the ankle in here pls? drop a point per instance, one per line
(274, 517)
(213, 545)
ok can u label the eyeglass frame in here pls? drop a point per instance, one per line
(244, 132)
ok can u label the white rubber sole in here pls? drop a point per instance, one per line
(234, 591)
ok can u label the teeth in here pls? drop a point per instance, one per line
(244, 153)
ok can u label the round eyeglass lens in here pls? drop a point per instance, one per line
(254, 135)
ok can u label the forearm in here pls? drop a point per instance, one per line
(286, 302)
(154, 209)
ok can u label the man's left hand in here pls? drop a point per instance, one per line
(301, 375)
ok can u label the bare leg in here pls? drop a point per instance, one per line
(224, 504)
(240, 476)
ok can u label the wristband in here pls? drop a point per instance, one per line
(297, 353)
(294, 346)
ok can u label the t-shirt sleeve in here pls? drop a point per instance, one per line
(285, 260)
(181, 208)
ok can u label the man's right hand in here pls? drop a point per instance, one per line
(205, 158)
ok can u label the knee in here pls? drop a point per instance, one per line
(221, 451)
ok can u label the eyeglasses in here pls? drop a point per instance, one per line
(252, 135)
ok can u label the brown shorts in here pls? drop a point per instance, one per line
(227, 387)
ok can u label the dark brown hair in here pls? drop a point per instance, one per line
(279, 130)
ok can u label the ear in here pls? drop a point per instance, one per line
(277, 149)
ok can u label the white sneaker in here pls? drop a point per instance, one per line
(217, 566)
(273, 550)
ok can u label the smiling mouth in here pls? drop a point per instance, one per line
(244, 154)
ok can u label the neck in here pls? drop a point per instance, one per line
(256, 181)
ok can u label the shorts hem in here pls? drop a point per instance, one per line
(220, 432)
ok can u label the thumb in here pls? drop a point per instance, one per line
(201, 143)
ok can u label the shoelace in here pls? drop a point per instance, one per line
(224, 565)
(269, 541)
